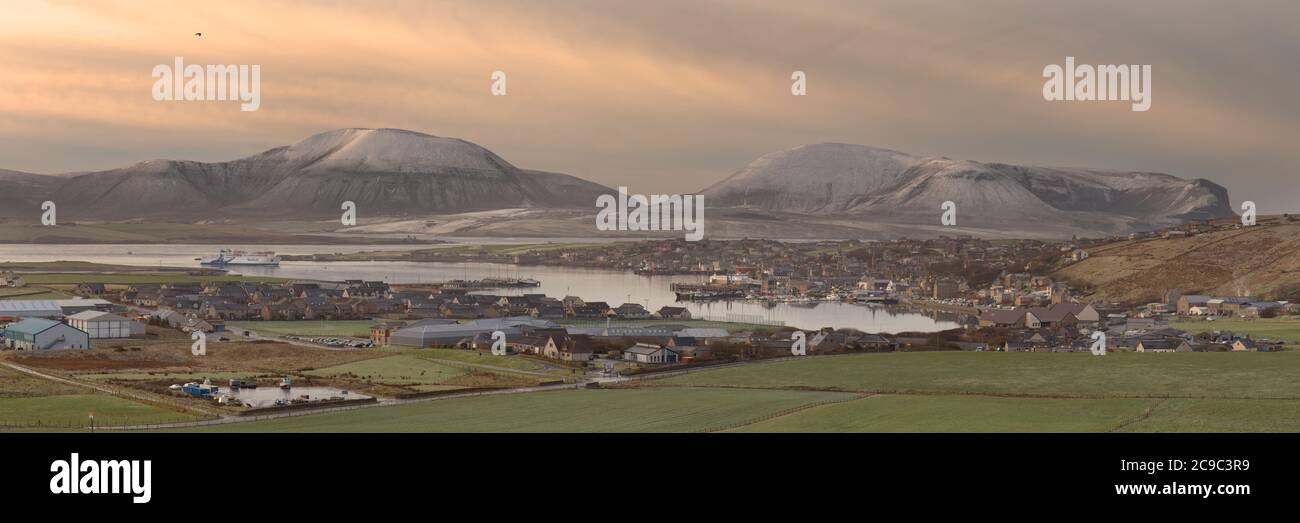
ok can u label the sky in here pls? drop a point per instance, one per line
(668, 96)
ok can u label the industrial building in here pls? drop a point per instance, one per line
(425, 335)
(50, 308)
(41, 334)
(106, 325)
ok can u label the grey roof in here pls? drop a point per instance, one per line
(623, 332)
(44, 305)
(96, 316)
(510, 326)
(32, 326)
(703, 333)
(641, 349)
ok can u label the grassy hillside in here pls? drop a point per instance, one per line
(1117, 375)
(1263, 260)
(74, 410)
(561, 411)
(903, 413)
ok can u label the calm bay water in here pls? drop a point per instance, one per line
(613, 287)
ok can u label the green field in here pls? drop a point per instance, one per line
(473, 357)
(15, 384)
(30, 293)
(346, 328)
(69, 232)
(903, 413)
(1287, 328)
(1079, 375)
(178, 377)
(634, 410)
(394, 370)
(1183, 415)
(73, 410)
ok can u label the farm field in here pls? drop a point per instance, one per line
(394, 370)
(161, 233)
(473, 357)
(1184, 415)
(953, 413)
(73, 410)
(621, 410)
(1287, 329)
(1117, 375)
(14, 384)
(347, 328)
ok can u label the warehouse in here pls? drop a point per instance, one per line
(426, 335)
(105, 325)
(39, 333)
(50, 308)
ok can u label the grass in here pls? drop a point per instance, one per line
(631, 410)
(903, 413)
(1117, 375)
(52, 295)
(179, 377)
(1181, 415)
(73, 410)
(14, 293)
(346, 328)
(70, 232)
(394, 370)
(1285, 328)
(18, 384)
(473, 357)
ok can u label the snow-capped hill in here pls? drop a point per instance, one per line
(21, 194)
(391, 150)
(880, 184)
(821, 177)
(385, 172)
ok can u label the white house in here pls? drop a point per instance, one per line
(644, 353)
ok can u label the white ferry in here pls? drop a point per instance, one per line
(228, 257)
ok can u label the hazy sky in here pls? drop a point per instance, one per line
(668, 96)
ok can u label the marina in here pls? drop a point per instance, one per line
(612, 286)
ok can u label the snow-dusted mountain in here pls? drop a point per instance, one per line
(386, 172)
(22, 193)
(871, 183)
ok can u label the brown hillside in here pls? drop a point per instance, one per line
(1263, 260)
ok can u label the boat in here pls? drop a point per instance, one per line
(709, 295)
(220, 259)
(228, 257)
